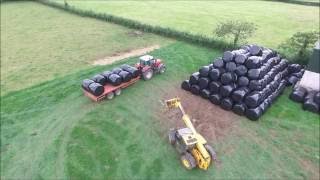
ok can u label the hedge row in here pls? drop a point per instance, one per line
(168, 32)
(301, 2)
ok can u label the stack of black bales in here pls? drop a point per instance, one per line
(296, 72)
(309, 98)
(246, 81)
(115, 77)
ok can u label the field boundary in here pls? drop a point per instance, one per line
(163, 31)
(305, 3)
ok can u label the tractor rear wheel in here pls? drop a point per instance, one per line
(110, 95)
(147, 75)
(188, 161)
(211, 151)
(172, 136)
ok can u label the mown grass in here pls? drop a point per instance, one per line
(276, 21)
(40, 43)
(52, 131)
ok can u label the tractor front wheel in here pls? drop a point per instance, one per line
(188, 161)
(162, 69)
(147, 75)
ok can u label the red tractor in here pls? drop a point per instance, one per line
(148, 65)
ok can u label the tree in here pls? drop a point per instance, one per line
(239, 30)
(299, 46)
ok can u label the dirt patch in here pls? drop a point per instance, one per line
(135, 33)
(209, 120)
(122, 55)
(309, 167)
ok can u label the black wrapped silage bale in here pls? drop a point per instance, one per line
(185, 85)
(86, 83)
(241, 58)
(226, 90)
(96, 89)
(195, 89)
(215, 99)
(125, 76)
(205, 93)
(125, 66)
(292, 80)
(203, 82)
(241, 70)
(226, 104)
(264, 106)
(253, 99)
(255, 50)
(115, 79)
(214, 74)
(228, 77)
(239, 108)
(294, 68)
(243, 81)
(253, 62)
(214, 86)
(132, 70)
(228, 56)
(254, 113)
(204, 71)
(99, 79)
(231, 66)
(311, 106)
(316, 98)
(298, 74)
(116, 70)
(255, 85)
(106, 75)
(218, 63)
(194, 78)
(239, 94)
(254, 74)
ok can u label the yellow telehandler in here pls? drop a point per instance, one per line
(191, 145)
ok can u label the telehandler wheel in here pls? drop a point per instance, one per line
(211, 151)
(172, 136)
(117, 92)
(147, 75)
(188, 161)
(110, 95)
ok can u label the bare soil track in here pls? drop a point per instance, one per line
(123, 55)
(209, 120)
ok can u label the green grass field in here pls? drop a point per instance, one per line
(50, 130)
(201, 17)
(56, 43)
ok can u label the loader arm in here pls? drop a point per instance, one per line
(200, 153)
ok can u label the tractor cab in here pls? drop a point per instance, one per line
(147, 60)
(148, 65)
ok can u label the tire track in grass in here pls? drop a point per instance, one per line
(28, 152)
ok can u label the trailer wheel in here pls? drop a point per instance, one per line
(110, 95)
(147, 75)
(117, 92)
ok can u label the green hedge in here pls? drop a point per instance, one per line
(301, 2)
(168, 32)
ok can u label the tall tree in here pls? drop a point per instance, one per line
(238, 30)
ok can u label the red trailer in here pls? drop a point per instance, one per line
(148, 66)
